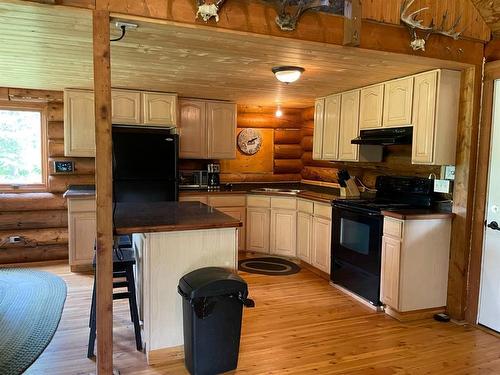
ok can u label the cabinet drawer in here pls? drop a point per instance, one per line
(286, 203)
(81, 205)
(194, 198)
(258, 201)
(227, 201)
(393, 227)
(323, 210)
(305, 206)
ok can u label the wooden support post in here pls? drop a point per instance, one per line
(104, 268)
(352, 23)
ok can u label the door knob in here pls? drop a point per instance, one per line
(494, 225)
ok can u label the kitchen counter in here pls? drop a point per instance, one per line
(168, 217)
(418, 214)
(80, 191)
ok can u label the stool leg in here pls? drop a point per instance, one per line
(133, 307)
(92, 334)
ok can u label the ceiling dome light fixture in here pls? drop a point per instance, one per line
(287, 74)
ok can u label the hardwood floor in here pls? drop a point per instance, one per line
(300, 325)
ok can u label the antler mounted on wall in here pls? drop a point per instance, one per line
(413, 24)
(288, 21)
(207, 11)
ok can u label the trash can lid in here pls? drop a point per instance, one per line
(210, 282)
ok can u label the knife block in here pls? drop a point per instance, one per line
(351, 190)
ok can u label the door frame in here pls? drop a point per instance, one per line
(491, 73)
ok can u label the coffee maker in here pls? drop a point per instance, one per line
(213, 170)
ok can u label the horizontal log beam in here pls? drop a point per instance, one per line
(33, 254)
(287, 137)
(34, 237)
(56, 148)
(259, 177)
(12, 220)
(308, 114)
(287, 151)
(55, 112)
(32, 202)
(55, 130)
(253, 120)
(287, 166)
(36, 96)
(61, 183)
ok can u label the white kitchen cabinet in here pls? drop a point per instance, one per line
(258, 231)
(193, 129)
(221, 130)
(126, 107)
(321, 240)
(398, 96)
(371, 107)
(415, 261)
(435, 117)
(304, 236)
(331, 128)
(159, 109)
(79, 123)
(282, 236)
(81, 232)
(319, 119)
(238, 213)
(349, 126)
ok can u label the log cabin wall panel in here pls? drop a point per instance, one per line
(41, 219)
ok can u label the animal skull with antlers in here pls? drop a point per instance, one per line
(207, 11)
(413, 24)
(288, 21)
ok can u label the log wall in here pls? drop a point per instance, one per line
(41, 219)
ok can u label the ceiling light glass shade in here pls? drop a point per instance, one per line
(287, 74)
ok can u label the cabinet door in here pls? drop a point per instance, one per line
(371, 107)
(389, 279)
(258, 229)
(304, 236)
(331, 126)
(349, 126)
(126, 107)
(193, 198)
(82, 234)
(321, 240)
(193, 129)
(221, 130)
(424, 118)
(283, 227)
(79, 123)
(240, 214)
(159, 109)
(398, 102)
(319, 116)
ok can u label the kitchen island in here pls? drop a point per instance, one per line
(171, 239)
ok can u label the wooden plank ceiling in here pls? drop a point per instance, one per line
(47, 49)
(490, 11)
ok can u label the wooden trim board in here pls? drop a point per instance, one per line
(157, 356)
(413, 315)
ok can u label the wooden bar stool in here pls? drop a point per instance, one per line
(123, 268)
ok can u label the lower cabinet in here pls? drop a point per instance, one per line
(282, 236)
(258, 232)
(304, 236)
(81, 232)
(240, 214)
(321, 239)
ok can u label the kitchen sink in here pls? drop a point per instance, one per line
(277, 191)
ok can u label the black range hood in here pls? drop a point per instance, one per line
(385, 137)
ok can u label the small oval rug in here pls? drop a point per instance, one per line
(31, 304)
(271, 266)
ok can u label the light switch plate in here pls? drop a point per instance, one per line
(442, 186)
(448, 172)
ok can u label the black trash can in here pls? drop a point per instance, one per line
(212, 307)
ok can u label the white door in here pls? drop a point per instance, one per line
(489, 305)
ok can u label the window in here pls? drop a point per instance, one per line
(22, 148)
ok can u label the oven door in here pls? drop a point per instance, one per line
(356, 251)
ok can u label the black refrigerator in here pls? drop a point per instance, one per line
(145, 165)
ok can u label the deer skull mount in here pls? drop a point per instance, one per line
(413, 24)
(207, 11)
(288, 21)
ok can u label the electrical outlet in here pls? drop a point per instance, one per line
(14, 239)
(442, 186)
(449, 172)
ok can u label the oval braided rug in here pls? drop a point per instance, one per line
(271, 266)
(31, 304)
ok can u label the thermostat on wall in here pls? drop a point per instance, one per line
(64, 166)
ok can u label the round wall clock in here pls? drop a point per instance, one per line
(249, 141)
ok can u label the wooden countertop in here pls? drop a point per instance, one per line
(169, 217)
(418, 214)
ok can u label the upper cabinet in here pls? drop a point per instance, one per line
(319, 116)
(79, 120)
(207, 129)
(398, 95)
(159, 109)
(435, 117)
(371, 107)
(125, 107)
(331, 127)
(349, 126)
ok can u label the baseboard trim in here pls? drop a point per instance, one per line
(314, 270)
(410, 316)
(83, 268)
(157, 356)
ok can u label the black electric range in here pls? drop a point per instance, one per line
(357, 227)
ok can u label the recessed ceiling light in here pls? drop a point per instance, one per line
(287, 74)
